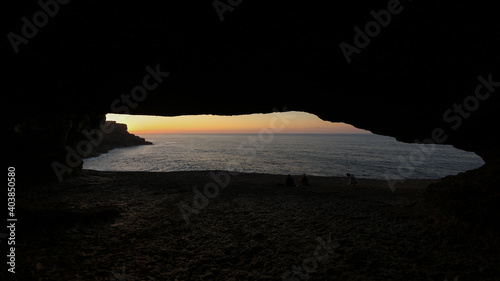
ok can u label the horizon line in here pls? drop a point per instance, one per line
(249, 133)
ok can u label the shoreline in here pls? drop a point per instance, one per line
(102, 224)
(295, 176)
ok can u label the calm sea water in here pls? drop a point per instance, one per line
(365, 155)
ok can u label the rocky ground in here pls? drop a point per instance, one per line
(129, 226)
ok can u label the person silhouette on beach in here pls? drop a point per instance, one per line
(352, 181)
(303, 180)
(289, 181)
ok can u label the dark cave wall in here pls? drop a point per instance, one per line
(41, 141)
(265, 55)
(90, 56)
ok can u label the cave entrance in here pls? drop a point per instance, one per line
(276, 143)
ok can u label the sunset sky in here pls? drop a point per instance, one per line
(292, 122)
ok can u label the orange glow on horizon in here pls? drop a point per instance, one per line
(292, 122)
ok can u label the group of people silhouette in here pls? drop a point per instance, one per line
(304, 181)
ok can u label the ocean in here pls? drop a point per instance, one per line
(364, 155)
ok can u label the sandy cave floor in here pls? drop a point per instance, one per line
(128, 226)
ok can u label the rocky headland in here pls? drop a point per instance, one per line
(119, 137)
